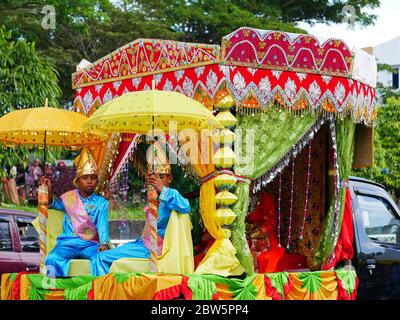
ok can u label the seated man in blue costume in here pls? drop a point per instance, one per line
(159, 176)
(85, 226)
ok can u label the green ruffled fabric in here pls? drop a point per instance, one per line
(348, 279)
(241, 289)
(202, 288)
(279, 280)
(312, 281)
(41, 285)
(238, 237)
(345, 130)
(79, 293)
(124, 277)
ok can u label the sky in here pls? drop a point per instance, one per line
(386, 27)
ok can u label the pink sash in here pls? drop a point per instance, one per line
(83, 225)
(146, 233)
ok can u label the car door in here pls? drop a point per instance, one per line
(29, 240)
(10, 260)
(378, 245)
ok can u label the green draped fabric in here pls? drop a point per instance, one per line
(312, 281)
(78, 293)
(41, 285)
(345, 130)
(238, 237)
(202, 288)
(278, 281)
(241, 289)
(348, 279)
(275, 132)
(124, 277)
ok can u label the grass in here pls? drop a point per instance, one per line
(131, 213)
(22, 207)
(135, 213)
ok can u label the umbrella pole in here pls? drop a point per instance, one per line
(43, 203)
(44, 152)
(152, 198)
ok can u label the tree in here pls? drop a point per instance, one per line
(89, 29)
(386, 168)
(26, 80)
(319, 11)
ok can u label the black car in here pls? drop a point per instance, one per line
(376, 219)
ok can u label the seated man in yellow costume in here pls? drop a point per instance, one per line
(159, 176)
(85, 226)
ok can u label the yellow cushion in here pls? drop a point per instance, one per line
(54, 227)
(177, 254)
(79, 267)
(128, 265)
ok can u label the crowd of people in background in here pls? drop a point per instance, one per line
(20, 185)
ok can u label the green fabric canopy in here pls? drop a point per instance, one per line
(345, 131)
(275, 132)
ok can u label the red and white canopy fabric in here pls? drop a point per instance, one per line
(258, 67)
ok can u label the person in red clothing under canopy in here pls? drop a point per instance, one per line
(263, 241)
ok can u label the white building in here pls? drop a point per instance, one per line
(388, 53)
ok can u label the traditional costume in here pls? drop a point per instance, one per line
(85, 226)
(169, 199)
(263, 242)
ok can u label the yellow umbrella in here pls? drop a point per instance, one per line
(142, 111)
(45, 126)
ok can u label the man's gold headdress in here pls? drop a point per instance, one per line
(85, 164)
(157, 160)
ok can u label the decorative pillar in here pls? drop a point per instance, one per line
(224, 159)
(221, 257)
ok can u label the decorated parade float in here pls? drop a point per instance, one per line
(274, 205)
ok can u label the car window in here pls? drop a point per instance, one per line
(28, 235)
(5, 234)
(380, 221)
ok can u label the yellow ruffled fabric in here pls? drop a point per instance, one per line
(221, 260)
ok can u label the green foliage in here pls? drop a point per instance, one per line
(90, 29)
(26, 80)
(136, 213)
(386, 169)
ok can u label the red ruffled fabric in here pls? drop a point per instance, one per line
(215, 296)
(273, 293)
(344, 248)
(90, 295)
(288, 286)
(342, 293)
(175, 292)
(270, 290)
(17, 285)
